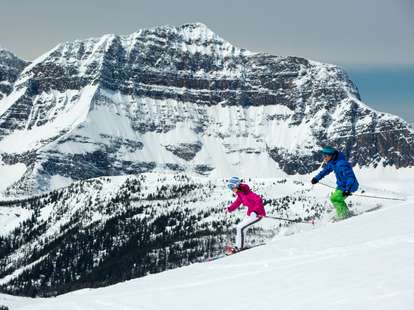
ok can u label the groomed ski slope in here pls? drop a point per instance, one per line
(364, 262)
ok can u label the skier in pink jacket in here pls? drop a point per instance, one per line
(255, 210)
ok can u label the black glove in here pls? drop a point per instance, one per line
(346, 193)
(314, 181)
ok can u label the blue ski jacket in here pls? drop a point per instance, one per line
(345, 177)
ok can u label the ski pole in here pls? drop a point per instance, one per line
(288, 220)
(366, 196)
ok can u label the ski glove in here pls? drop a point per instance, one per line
(346, 193)
(314, 181)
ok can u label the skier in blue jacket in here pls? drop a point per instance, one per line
(346, 182)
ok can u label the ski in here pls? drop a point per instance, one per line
(356, 213)
(225, 255)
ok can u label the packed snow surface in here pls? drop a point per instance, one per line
(363, 262)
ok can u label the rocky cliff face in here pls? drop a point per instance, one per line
(10, 68)
(184, 99)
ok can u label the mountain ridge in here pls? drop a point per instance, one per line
(183, 99)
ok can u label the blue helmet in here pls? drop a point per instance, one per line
(328, 150)
(233, 182)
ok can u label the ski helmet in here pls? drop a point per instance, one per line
(328, 150)
(233, 182)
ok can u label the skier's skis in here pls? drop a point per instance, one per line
(229, 254)
(356, 213)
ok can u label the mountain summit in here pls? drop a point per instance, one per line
(183, 99)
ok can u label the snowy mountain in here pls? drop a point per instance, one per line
(362, 263)
(182, 99)
(143, 130)
(10, 68)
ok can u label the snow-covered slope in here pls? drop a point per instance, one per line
(184, 99)
(73, 237)
(361, 263)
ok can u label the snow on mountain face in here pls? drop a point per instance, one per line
(10, 68)
(183, 99)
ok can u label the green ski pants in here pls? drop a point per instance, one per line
(338, 200)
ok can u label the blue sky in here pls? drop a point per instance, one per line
(334, 31)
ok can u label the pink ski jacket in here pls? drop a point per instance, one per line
(252, 201)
